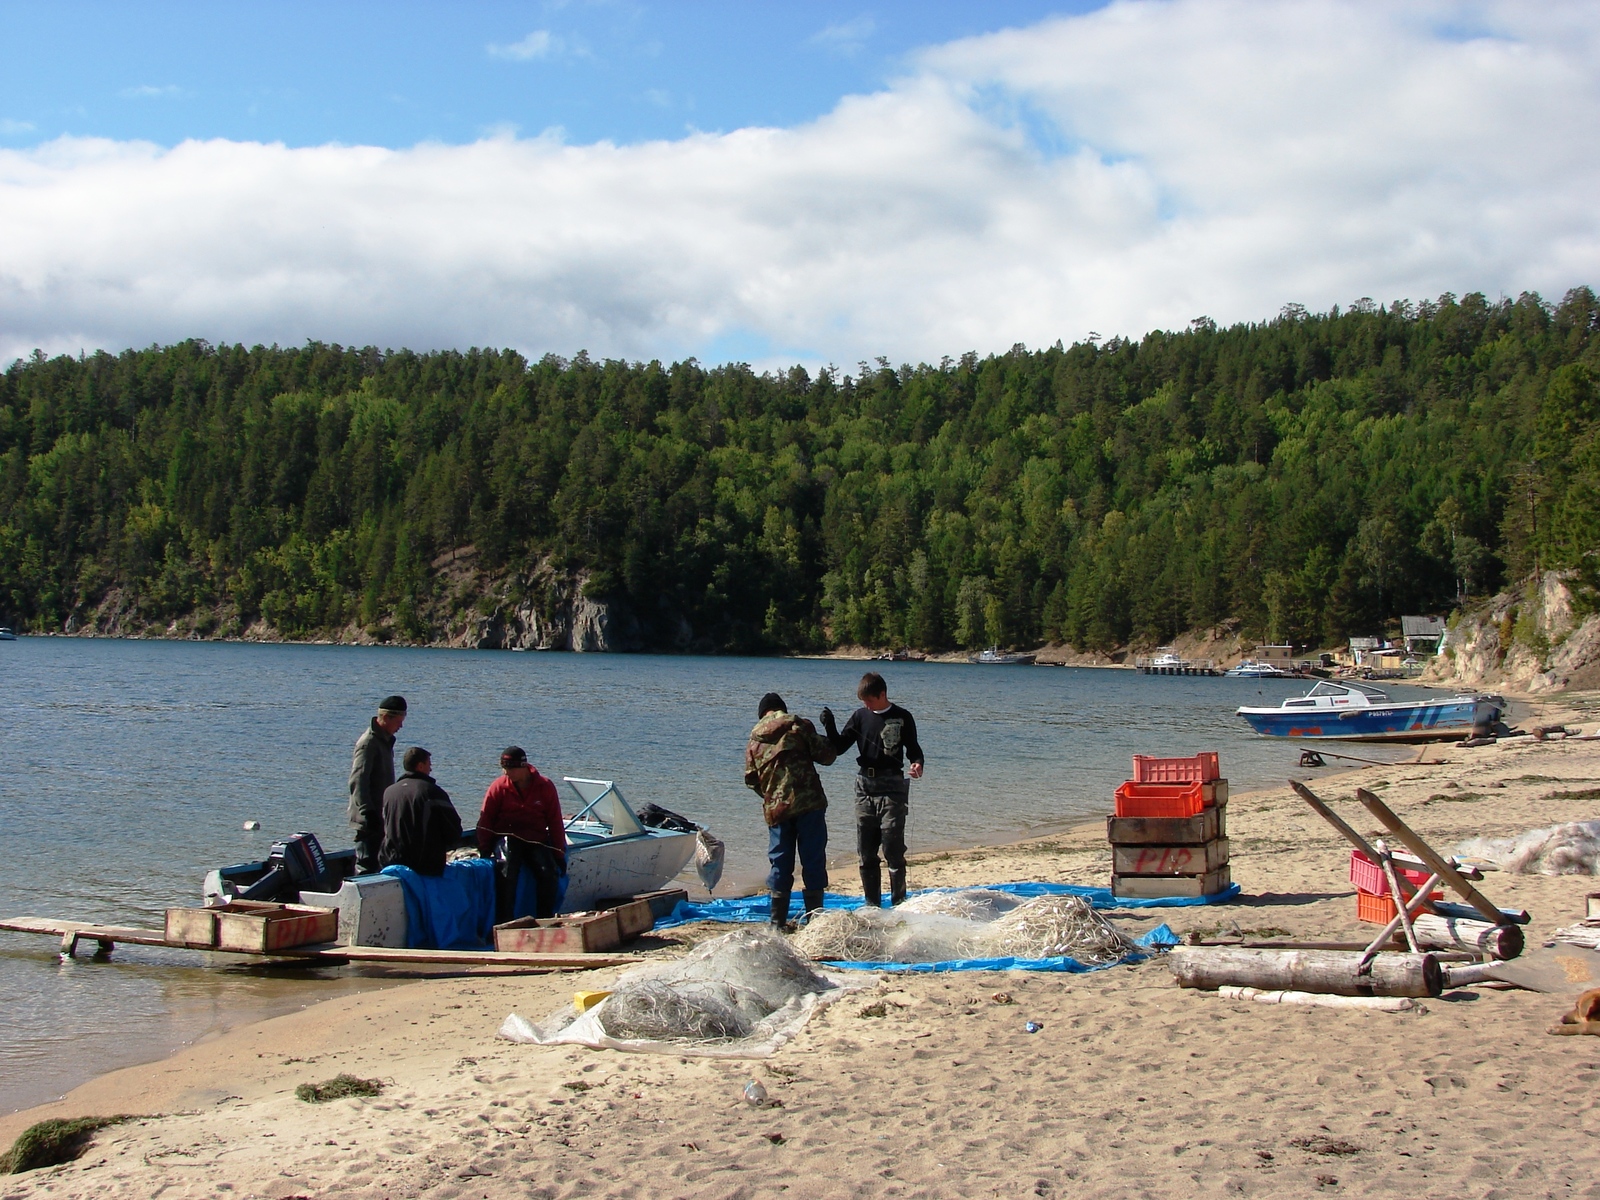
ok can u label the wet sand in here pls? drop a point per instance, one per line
(1132, 1087)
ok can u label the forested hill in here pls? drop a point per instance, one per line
(1311, 476)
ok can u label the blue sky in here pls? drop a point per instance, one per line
(816, 183)
(397, 73)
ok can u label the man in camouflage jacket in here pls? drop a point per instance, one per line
(780, 765)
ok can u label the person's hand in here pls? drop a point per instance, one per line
(916, 770)
(827, 718)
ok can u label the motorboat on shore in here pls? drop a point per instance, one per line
(995, 657)
(1359, 712)
(1251, 669)
(610, 853)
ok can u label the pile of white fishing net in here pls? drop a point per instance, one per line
(968, 924)
(739, 995)
(1572, 849)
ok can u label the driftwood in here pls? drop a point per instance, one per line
(1451, 933)
(1330, 972)
(1319, 999)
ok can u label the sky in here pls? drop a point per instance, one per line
(777, 183)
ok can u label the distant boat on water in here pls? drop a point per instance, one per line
(994, 657)
(7, 634)
(1360, 713)
(1251, 669)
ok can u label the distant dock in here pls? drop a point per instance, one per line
(1166, 664)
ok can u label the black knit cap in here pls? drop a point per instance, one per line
(513, 756)
(771, 702)
(392, 704)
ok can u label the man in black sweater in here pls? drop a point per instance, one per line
(885, 736)
(420, 825)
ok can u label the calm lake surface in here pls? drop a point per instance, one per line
(131, 767)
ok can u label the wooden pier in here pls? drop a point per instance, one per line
(1155, 666)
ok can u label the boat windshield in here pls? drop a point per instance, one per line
(1327, 688)
(601, 802)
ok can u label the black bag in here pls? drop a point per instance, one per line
(654, 816)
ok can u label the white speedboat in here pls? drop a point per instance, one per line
(995, 657)
(7, 634)
(1251, 669)
(1358, 712)
(610, 853)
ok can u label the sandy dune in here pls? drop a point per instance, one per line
(1133, 1087)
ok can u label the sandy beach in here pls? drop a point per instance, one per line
(1132, 1087)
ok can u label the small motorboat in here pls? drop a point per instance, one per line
(7, 634)
(995, 657)
(1251, 669)
(610, 853)
(1360, 713)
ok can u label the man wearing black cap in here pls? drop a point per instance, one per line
(372, 774)
(520, 826)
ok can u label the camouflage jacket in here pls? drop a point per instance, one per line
(779, 764)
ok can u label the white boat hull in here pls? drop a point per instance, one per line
(624, 866)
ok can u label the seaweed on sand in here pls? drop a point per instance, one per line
(337, 1088)
(53, 1142)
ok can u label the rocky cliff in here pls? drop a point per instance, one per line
(1529, 640)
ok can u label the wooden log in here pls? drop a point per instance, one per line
(1339, 823)
(1427, 854)
(1452, 933)
(1402, 909)
(1331, 972)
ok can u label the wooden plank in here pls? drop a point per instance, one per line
(83, 929)
(1170, 860)
(1427, 854)
(1167, 831)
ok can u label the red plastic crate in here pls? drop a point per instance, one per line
(1200, 768)
(1368, 876)
(1135, 799)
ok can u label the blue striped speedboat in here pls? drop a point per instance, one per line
(1359, 713)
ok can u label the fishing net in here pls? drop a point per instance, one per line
(1572, 849)
(941, 927)
(739, 995)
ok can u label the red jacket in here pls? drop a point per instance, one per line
(534, 814)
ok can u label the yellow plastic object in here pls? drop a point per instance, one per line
(584, 1001)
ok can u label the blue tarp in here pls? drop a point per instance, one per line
(453, 911)
(757, 908)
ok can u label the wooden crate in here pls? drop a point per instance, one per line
(662, 903)
(1170, 860)
(633, 919)
(577, 933)
(247, 927)
(1169, 831)
(1141, 887)
(195, 928)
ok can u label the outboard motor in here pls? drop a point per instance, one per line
(293, 863)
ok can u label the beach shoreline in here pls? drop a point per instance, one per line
(1115, 1074)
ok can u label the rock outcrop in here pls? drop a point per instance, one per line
(554, 614)
(1529, 640)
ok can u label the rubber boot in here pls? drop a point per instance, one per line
(872, 885)
(813, 901)
(897, 886)
(779, 914)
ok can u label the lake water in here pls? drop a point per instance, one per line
(131, 767)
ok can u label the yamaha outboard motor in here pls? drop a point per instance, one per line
(293, 863)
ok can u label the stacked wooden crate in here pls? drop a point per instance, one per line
(1169, 835)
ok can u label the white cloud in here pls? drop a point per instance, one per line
(845, 37)
(1121, 171)
(9, 125)
(147, 91)
(541, 43)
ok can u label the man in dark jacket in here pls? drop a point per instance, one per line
(779, 765)
(886, 737)
(420, 825)
(371, 774)
(520, 826)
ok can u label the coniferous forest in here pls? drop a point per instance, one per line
(1311, 477)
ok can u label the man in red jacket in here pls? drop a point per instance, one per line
(521, 827)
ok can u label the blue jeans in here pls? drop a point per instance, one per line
(806, 834)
